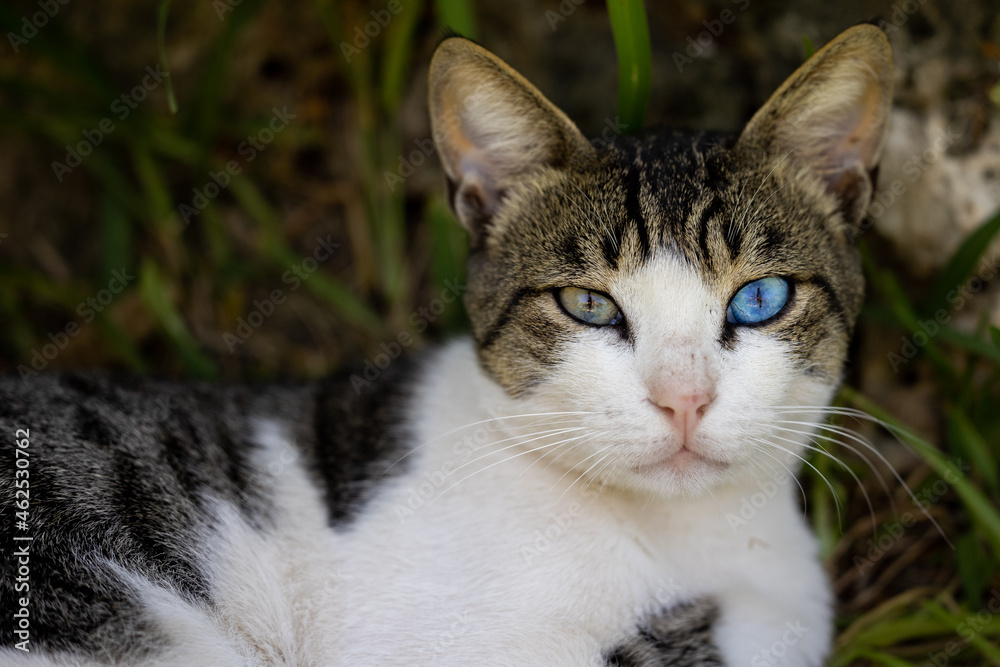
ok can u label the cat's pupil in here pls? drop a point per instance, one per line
(589, 307)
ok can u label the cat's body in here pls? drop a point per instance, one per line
(580, 483)
(220, 528)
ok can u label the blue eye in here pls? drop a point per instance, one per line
(758, 301)
(589, 307)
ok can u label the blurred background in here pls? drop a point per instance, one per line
(239, 190)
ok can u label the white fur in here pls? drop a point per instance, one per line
(473, 554)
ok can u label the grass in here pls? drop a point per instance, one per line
(919, 598)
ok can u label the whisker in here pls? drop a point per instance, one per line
(827, 438)
(761, 206)
(777, 164)
(598, 475)
(603, 222)
(483, 421)
(573, 467)
(528, 467)
(816, 448)
(836, 498)
(549, 464)
(584, 473)
(861, 415)
(531, 438)
(496, 463)
(847, 433)
(763, 450)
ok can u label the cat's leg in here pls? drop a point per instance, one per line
(787, 621)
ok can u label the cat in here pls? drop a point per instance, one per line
(598, 475)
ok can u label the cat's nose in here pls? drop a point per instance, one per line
(684, 408)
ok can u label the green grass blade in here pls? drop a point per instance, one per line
(631, 34)
(981, 509)
(449, 249)
(203, 114)
(973, 445)
(116, 236)
(961, 265)
(888, 286)
(160, 210)
(161, 47)
(879, 658)
(957, 622)
(808, 47)
(970, 343)
(973, 568)
(457, 15)
(154, 293)
(348, 305)
(398, 56)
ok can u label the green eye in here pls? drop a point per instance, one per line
(589, 307)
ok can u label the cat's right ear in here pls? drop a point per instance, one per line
(491, 127)
(830, 117)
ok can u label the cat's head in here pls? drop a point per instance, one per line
(681, 292)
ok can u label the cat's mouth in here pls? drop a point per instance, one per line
(684, 460)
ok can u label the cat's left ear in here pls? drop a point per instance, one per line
(491, 127)
(831, 115)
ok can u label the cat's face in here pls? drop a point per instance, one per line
(680, 293)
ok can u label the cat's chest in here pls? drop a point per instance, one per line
(505, 553)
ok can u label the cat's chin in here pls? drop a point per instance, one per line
(683, 472)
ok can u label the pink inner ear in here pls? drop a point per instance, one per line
(860, 132)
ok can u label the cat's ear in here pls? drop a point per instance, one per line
(491, 127)
(831, 115)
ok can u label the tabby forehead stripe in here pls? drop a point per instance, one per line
(703, 222)
(633, 208)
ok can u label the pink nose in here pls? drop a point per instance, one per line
(683, 408)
